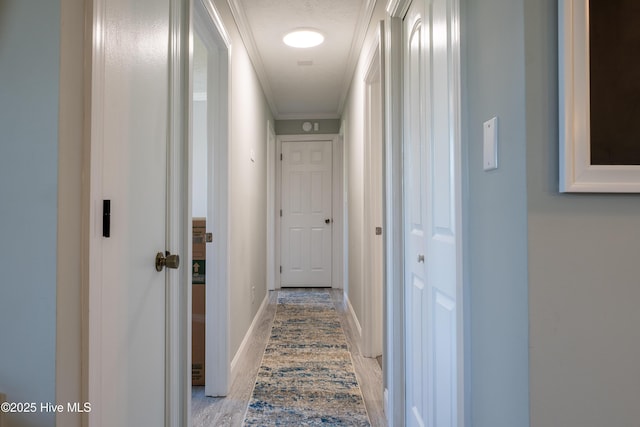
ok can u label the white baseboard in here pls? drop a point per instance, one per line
(349, 308)
(386, 400)
(243, 345)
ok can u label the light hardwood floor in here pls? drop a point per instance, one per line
(229, 411)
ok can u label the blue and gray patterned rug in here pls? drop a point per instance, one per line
(307, 376)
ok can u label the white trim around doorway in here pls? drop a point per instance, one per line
(374, 197)
(217, 335)
(393, 361)
(271, 207)
(178, 316)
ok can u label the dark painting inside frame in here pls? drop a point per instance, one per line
(614, 56)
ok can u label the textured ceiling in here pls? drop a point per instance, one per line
(304, 83)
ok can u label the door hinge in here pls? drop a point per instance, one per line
(280, 156)
(280, 269)
(280, 212)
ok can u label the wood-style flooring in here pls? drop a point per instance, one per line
(229, 411)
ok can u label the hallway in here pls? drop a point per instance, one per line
(230, 411)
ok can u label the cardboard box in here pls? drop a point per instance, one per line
(199, 250)
(198, 302)
(197, 335)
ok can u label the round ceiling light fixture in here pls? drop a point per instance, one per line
(303, 38)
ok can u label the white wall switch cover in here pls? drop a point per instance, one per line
(490, 143)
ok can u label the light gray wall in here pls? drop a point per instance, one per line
(29, 66)
(584, 269)
(354, 152)
(199, 158)
(294, 127)
(248, 181)
(496, 214)
(353, 117)
(70, 184)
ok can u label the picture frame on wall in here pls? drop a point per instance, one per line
(599, 96)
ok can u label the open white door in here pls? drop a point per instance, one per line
(432, 213)
(126, 348)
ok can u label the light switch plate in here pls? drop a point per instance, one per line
(490, 144)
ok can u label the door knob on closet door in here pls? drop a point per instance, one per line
(421, 258)
(327, 221)
(168, 260)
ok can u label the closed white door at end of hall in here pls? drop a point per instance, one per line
(306, 213)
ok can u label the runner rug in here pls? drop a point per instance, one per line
(306, 377)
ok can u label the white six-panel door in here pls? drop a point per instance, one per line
(306, 225)
(430, 216)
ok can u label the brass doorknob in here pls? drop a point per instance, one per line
(168, 260)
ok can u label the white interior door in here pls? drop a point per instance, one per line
(306, 226)
(431, 215)
(415, 216)
(129, 167)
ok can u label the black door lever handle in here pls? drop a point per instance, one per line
(106, 218)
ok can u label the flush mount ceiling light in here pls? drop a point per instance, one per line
(303, 38)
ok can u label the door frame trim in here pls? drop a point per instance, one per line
(394, 345)
(94, 100)
(217, 335)
(373, 297)
(337, 273)
(178, 317)
(271, 208)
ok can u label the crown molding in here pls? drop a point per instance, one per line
(308, 116)
(246, 34)
(364, 19)
(398, 8)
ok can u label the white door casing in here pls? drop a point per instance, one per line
(394, 345)
(271, 207)
(373, 240)
(306, 203)
(432, 214)
(178, 307)
(208, 24)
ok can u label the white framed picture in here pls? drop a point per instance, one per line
(599, 96)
